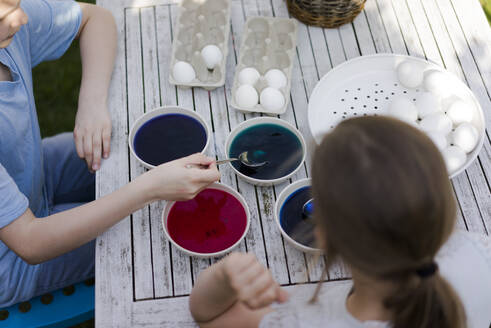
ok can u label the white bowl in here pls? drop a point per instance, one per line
(265, 120)
(218, 186)
(162, 111)
(367, 85)
(279, 203)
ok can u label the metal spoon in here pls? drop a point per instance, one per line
(244, 160)
(308, 208)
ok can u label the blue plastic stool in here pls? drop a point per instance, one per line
(59, 309)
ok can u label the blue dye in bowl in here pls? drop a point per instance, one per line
(168, 137)
(271, 143)
(293, 221)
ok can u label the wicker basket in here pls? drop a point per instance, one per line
(325, 13)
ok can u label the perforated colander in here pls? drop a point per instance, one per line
(366, 86)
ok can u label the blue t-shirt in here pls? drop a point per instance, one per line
(52, 26)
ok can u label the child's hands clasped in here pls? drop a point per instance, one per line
(251, 281)
(182, 179)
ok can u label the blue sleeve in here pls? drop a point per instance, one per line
(13, 203)
(52, 26)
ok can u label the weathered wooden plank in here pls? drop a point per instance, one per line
(460, 222)
(349, 41)
(365, 46)
(160, 257)
(324, 49)
(164, 45)
(181, 264)
(202, 107)
(113, 269)
(295, 260)
(338, 270)
(254, 239)
(475, 82)
(462, 186)
(420, 22)
(461, 183)
(464, 55)
(475, 27)
(335, 46)
(342, 44)
(318, 45)
(305, 76)
(121, 4)
(408, 30)
(275, 257)
(420, 29)
(219, 114)
(379, 32)
(156, 313)
(162, 267)
(142, 269)
(392, 27)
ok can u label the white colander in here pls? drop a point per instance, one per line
(367, 85)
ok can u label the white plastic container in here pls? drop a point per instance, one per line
(201, 23)
(267, 43)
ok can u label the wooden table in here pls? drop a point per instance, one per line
(141, 280)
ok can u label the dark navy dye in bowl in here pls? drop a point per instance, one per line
(168, 137)
(293, 221)
(271, 143)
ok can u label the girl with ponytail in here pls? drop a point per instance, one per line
(387, 211)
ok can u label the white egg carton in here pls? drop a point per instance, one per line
(201, 23)
(267, 43)
(371, 85)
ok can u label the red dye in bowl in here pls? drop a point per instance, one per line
(211, 222)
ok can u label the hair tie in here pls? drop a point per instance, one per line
(427, 270)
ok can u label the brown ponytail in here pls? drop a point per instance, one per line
(386, 208)
(426, 303)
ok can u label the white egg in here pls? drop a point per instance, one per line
(212, 56)
(183, 72)
(272, 99)
(427, 104)
(465, 136)
(404, 109)
(446, 102)
(438, 122)
(246, 96)
(460, 111)
(249, 75)
(410, 74)
(276, 78)
(454, 158)
(436, 82)
(438, 139)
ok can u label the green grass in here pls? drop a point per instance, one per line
(486, 4)
(56, 86)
